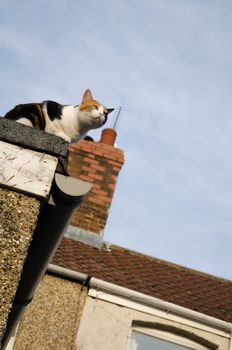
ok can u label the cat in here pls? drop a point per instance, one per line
(71, 123)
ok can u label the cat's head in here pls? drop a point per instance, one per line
(91, 112)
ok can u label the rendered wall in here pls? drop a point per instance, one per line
(105, 326)
(28, 162)
(18, 216)
(52, 319)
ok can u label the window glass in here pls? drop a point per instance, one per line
(140, 341)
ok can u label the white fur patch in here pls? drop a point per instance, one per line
(24, 121)
(74, 124)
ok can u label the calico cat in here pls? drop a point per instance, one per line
(71, 123)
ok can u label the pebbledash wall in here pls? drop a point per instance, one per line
(71, 311)
(66, 315)
(52, 319)
(18, 217)
(27, 169)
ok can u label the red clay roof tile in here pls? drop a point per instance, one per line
(177, 284)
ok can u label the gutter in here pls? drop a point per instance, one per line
(168, 307)
(69, 274)
(144, 299)
(66, 195)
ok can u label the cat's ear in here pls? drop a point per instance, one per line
(87, 96)
(109, 110)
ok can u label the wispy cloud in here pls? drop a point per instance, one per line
(169, 64)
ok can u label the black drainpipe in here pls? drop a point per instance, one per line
(67, 194)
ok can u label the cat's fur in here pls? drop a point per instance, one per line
(71, 123)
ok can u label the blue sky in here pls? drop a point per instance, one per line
(169, 63)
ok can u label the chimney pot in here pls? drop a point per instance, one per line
(99, 164)
(108, 136)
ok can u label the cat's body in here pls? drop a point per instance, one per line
(71, 123)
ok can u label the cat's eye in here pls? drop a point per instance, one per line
(96, 107)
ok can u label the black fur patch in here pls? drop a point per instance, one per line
(54, 110)
(31, 111)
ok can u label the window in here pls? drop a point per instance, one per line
(158, 340)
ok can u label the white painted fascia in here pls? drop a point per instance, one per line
(151, 305)
(26, 170)
(113, 293)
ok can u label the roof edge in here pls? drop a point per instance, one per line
(67, 273)
(169, 308)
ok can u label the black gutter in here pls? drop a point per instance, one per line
(67, 194)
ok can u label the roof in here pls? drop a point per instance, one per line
(157, 278)
(34, 139)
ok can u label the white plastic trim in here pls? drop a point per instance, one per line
(170, 308)
(98, 285)
(67, 273)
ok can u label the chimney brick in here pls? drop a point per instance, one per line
(99, 164)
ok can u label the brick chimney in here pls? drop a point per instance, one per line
(98, 163)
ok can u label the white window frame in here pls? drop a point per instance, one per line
(169, 337)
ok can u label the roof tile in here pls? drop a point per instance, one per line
(174, 283)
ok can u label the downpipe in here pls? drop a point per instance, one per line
(67, 194)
